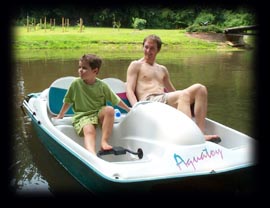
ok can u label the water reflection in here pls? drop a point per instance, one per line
(30, 182)
(229, 77)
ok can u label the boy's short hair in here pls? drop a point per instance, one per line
(93, 60)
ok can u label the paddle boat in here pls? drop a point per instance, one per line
(156, 147)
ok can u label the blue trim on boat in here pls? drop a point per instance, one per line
(56, 96)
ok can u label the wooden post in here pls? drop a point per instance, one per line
(63, 24)
(45, 23)
(27, 23)
(81, 24)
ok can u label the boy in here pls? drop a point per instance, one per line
(88, 96)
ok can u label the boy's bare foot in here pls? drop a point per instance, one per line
(212, 138)
(106, 146)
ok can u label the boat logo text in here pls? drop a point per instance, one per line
(195, 160)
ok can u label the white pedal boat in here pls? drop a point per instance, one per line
(156, 147)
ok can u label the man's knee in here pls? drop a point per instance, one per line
(201, 88)
(184, 96)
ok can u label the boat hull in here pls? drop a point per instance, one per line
(178, 161)
(235, 182)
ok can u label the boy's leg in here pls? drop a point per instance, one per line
(89, 132)
(106, 117)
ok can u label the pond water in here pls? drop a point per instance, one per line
(229, 77)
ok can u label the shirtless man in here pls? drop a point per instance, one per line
(146, 80)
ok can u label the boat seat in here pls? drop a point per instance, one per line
(70, 132)
(119, 87)
(56, 95)
(63, 121)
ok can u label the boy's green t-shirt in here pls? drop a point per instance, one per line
(89, 99)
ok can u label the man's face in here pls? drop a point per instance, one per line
(150, 49)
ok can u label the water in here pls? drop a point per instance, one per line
(229, 77)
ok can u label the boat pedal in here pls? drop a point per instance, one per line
(216, 140)
(120, 151)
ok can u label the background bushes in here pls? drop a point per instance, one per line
(192, 18)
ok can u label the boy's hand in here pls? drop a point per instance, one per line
(58, 117)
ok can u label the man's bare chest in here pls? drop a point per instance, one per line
(151, 74)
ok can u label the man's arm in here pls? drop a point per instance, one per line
(132, 74)
(167, 81)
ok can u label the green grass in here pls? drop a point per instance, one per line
(105, 40)
(72, 38)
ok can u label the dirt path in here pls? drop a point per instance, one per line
(213, 37)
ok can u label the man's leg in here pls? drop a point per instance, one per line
(180, 100)
(195, 95)
(198, 97)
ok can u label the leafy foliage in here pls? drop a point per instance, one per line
(138, 23)
(156, 17)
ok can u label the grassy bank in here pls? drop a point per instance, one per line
(105, 40)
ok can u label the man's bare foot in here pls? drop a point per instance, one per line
(212, 138)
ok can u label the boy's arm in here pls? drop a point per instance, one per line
(123, 105)
(63, 110)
